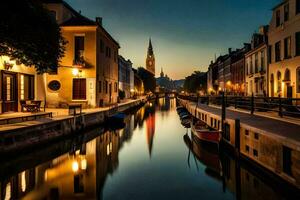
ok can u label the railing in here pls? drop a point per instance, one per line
(283, 106)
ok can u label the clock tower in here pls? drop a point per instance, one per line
(150, 60)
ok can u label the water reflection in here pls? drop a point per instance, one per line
(236, 178)
(150, 158)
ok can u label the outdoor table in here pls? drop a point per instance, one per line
(73, 108)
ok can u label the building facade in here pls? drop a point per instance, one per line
(88, 72)
(257, 64)
(126, 76)
(18, 82)
(284, 50)
(150, 60)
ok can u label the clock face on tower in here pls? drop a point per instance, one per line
(150, 63)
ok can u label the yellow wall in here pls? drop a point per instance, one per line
(22, 69)
(65, 72)
(288, 29)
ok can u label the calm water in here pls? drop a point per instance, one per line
(151, 158)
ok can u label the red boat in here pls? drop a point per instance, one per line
(204, 133)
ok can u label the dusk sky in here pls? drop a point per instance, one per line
(186, 34)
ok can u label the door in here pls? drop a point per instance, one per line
(9, 92)
(110, 93)
(289, 91)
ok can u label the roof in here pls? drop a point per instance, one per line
(280, 4)
(79, 20)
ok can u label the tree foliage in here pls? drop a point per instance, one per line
(195, 82)
(148, 79)
(30, 35)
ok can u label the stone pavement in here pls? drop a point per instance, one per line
(281, 128)
(58, 114)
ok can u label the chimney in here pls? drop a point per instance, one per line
(99, 21)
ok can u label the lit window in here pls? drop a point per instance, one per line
(22, 87)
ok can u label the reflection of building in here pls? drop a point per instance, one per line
(88, 72)
(81, 174)
(126, 76)
(284, 50)
(150, 60)
(138, 84)
(150, 128)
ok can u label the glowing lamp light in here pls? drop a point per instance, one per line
(75, 166)
(83, 164)
(75, 72)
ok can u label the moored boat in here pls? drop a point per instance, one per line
(206, 134)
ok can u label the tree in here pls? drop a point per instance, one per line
(148, 79)
(30, 35)
(196, 82)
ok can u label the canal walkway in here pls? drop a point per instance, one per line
(57, 115)
(279, 127)
(273, 144)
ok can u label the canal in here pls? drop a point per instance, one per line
(153, 157)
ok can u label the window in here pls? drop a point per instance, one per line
(246, 132)
(255, 152)
(53, 14)
(297, 7)
(108, 52)
(100, 86)
(298, 80)
(101, 46)
(277, 18)
(286, 12)
(262, 60)
(115, 56)
(251, 66)
(287, 75)
(279, 81)
(79, 89)
(287, 47)
(256, 63)
(256, 136)
(297, 43)
(277, 51)
(116, 87)
(79, 49)
(106, 87)
(247, 148)
(27, 87)
(270, 54)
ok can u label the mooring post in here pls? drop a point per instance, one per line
(207, 100)
(252, 104)
(237, 137)
(223, 112)
(280, 107)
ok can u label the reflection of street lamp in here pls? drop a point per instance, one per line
(75, 166)
(83, 164)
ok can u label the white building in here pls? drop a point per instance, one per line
(284, 50)
(257, 64)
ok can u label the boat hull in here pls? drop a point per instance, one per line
(207, 136)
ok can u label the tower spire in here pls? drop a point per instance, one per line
(150, 48)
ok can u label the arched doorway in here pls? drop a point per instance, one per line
(279, 83)
(287, 80)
